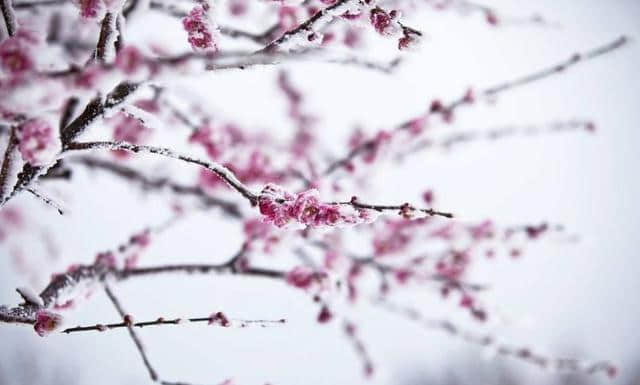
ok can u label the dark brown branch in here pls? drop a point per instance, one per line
(69, 109)
(448, 109)
(306, 26)
(132, 333)
(218, 169)
(9, 17)
(7, 162)
(107, 30)
(146, 182)
(94, 110)
(162, 321)
(48, 201)
(405, 209)
(488, 341)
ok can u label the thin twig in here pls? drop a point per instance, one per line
(174, 321)
(48, 201)
(218, 169)
(488, 341)
(132, 333)
(146, 182)
(555, 69)
(9, 16)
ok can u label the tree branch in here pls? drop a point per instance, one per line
(9, 16)
(130, 327)
(218, 169)
(448, 109)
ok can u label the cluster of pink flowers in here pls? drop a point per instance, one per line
(257, 168)
(202, 32)
(410, 39)
(89, 8)
(303, 277)
(46, 322)
(129, 60)
(216, 140)
(38, 142)
(281, 208)
(387, 24)
(17, 56)
(384, 22)
(127, 128)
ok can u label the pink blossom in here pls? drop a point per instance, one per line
(301, 277)
(46, 322)
(38, 142)
(382, 21)
(202, 32)
(204, 136)
(129, 60)
(287, 18)
(14, 58)
(238, 7)
(16, 53)
(107, 259)
(325, 315)
(352, 37)
(427, 197)
(89, 8)
(128, 129)
(280, 207)
(466, 301)
(482, 231)
(410, 39)
(491, 17)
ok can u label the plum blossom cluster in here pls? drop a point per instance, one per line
(91, 9)
(201, 29)
(38, 141)
(17, 57)
(398, 251)
(280, 207)
(388, 24)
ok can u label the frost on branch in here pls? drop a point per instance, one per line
(282, 208)
(201, 29)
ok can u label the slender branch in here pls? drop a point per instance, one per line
(319, 17)
(105, 48)
(69, 109)
(242, 323)
(95, 109)
(146, 182)
(92, 112)
(218, 169)
(9, 16)
(448, 109)
(405, 209)
(132, 333)
(7, 161)
(470, 136)
(100, 273)
(48, 201)
(488, 341)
